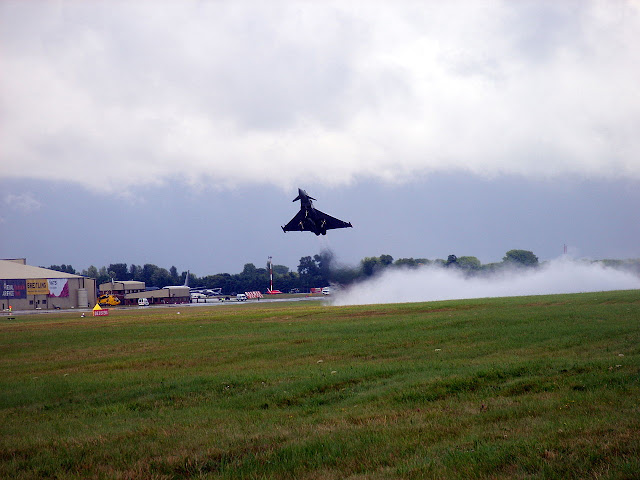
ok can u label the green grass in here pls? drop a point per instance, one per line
(528, 387)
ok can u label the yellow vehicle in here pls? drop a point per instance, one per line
(108, 300)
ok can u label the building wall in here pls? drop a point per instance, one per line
(19, 261)
(122, 288)
(47, 302)
(25, 287)
(167, 295)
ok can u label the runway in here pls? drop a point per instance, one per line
(205, 302)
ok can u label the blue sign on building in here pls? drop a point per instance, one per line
(13, 289)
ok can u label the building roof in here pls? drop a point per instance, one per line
(178, 291)
(13, 270)
(122, 285)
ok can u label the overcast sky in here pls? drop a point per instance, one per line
(177, 133)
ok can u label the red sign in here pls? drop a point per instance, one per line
(101, 313)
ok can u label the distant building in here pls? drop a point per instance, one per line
(130, 291)
(121, 288)
(166, 295)
(24, 287)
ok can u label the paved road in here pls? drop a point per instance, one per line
(208, 303)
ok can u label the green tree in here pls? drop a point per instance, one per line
(307, 267)
(103, 276)
(492, 267)
(160, 278)
(406, 262)
(412, 262)
(386, 260)
(173, 273)
(91, 272)
(135, 272)
(314, 272)
(345, 275)
(289, 281)
(148, 271)
(63, 268)
(369, 265)
(469, 263)
(524, 258)
(280, 269)
(119, 270)
(227, 282)
(249, 269)
(324, 260)
(253, 278)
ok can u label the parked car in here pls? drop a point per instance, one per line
(143, 302)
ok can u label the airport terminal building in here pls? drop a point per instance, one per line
(23, 287)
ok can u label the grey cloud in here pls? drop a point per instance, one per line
(387, 92)
(541, 30)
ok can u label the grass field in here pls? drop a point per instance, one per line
(528, 387)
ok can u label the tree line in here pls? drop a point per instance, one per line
(312, 272)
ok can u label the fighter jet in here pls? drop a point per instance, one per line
(310, 219)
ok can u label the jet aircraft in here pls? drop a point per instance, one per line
(311, 219)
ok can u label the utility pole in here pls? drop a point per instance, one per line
(270, 275)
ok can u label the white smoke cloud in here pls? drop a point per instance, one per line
(114, 95)
(431, 283)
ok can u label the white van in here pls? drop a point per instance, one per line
(143, 302)
(241, 297)
(326, 291)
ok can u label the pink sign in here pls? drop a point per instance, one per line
(58, 287)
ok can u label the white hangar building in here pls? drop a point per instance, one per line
(24, 287)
